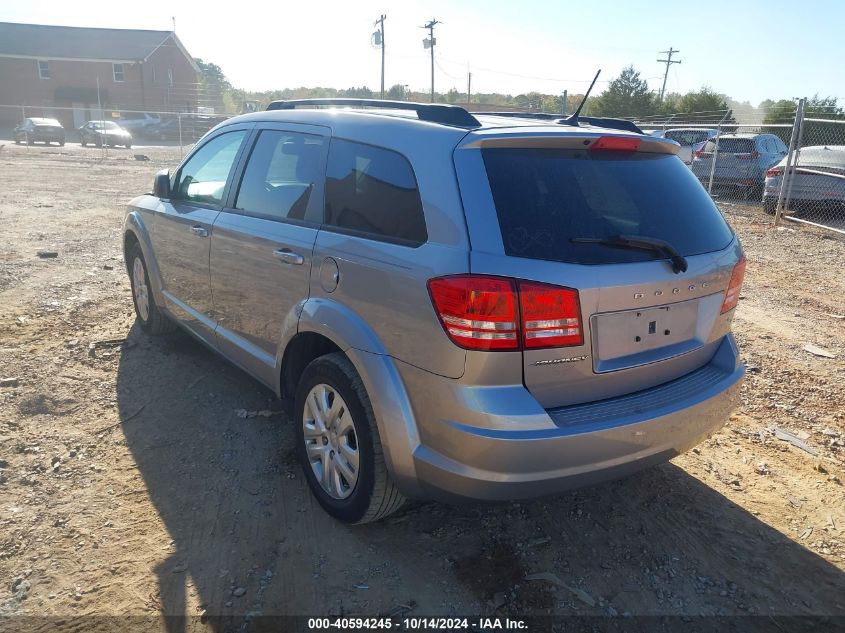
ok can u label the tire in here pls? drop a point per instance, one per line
(84, 143)
(147, 313)
(769, 205)
(29, 141)
(373, 495)
(17, 141)
(129, 146)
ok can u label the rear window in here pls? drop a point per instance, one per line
(546, 197)
(732, 146)
(686, 137)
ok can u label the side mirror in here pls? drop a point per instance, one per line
(161, 185)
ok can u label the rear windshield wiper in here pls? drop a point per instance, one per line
(679, 263)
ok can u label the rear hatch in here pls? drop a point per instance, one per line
(585, 213)
(736, 157)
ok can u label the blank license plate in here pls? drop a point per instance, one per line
(619, 334)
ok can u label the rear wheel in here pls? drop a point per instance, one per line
(339, 444)
(84, 143)
(151, 319)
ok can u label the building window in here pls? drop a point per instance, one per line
(117, 70)
(154, 74)
(170, 77)
(43, 69)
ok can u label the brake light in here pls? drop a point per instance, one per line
(734, 286)
(616, 144)
(773, 173)
(495, 313)
(551, 316)
(477, 312)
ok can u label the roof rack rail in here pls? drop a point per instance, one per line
(432, 112)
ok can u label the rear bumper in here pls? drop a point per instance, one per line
(546, 452)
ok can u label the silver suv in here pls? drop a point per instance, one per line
(484, 308)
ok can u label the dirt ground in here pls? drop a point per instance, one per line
(128, 483)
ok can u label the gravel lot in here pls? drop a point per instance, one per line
(128, 483)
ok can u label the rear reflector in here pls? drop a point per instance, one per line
(616, 144)
(551, 316)
(483, 313)
(734, 286)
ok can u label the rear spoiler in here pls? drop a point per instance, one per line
(609, 123)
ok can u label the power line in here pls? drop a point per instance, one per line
(668, 61)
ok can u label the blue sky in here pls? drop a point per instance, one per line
(748, 50)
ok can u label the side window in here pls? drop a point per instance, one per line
(282, 171)
(373, 192)
(203, 178)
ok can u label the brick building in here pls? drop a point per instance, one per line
(45, 68)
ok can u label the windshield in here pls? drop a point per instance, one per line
(546, 197)
(105, 125)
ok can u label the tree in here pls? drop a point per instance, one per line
(626, 96)
(213, 86)
(782, 111)
(705, 101)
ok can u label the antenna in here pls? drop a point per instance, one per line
(573, 120)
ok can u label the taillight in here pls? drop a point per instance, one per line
(495, 313)
(616, 144)
(773, 173)
(477, 312)
(551, 316)
(734, 286)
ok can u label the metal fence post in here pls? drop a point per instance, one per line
(787, 172)
(797, 157)
(716, 151)
(181, 149)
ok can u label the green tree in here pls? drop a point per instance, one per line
(214, 89)
(706, 104)
(782, 111)
(627, 95)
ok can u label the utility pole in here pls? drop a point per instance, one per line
(668, 61)
(379, 38)
(469, 87)
(429, 43)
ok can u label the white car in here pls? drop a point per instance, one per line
(690, 139)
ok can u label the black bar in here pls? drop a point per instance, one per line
(435, 113)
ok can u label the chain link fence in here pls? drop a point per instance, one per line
(793, 167)
(176, 132)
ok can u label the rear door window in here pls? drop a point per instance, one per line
(372, 192)
(546, 197)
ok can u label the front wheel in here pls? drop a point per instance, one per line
(339, 444)
(147, 312)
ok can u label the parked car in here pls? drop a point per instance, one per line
(741, 162)
(459, 308)
(165, 131)
(690, 139)
(818, 182)
(39, 130)
(102, 133)
(137, 123)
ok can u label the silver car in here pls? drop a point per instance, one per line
(818, 183)
(741, 161)
(485, 308)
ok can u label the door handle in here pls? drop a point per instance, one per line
(199, 231)
(289, 257)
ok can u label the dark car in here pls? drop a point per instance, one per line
(102, 133)
(39, 130)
